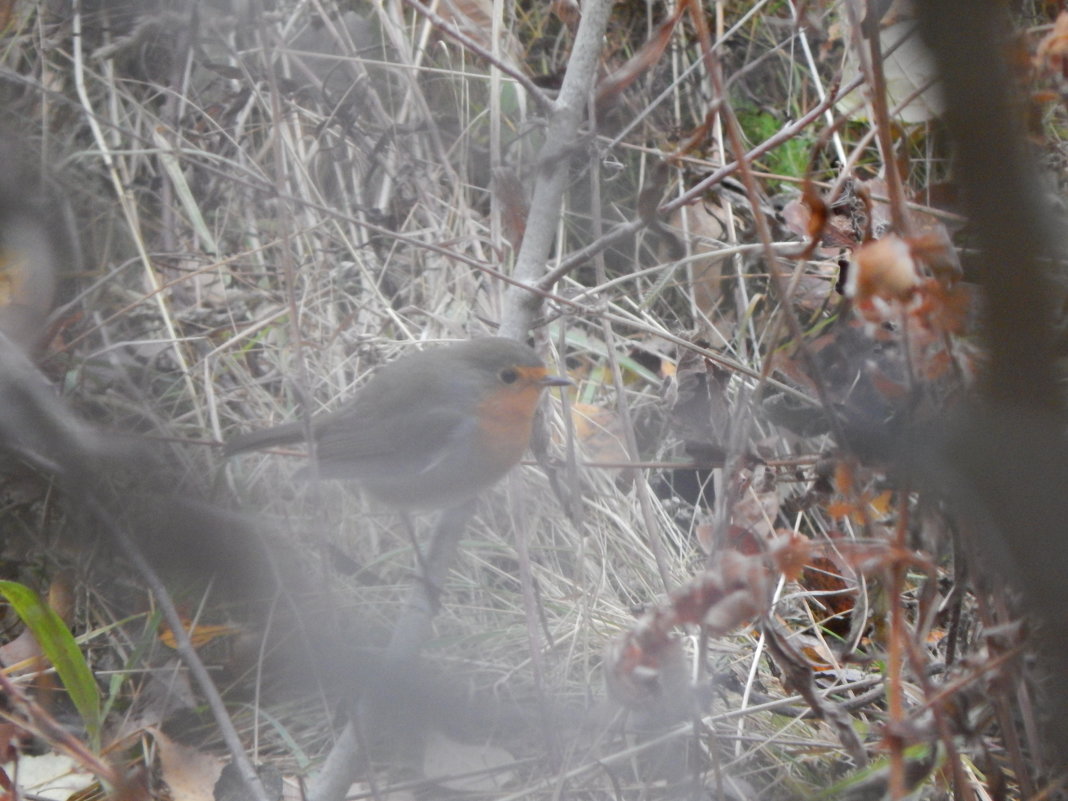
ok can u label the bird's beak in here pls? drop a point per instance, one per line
(555, 381)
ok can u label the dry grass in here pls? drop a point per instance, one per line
(265, 217)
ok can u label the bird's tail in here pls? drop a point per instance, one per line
(265, 438)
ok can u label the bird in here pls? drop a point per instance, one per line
(431, 429)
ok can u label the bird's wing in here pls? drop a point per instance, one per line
(348, 447)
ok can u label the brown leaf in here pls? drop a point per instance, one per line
(701, 226)
(600, 431)
(513, 204)
(22, 654)
(731, 592)
(610, 87)
(757, 505)
(50, 775)
(61, 595)
(1051, 56)
(837, 596)
(567, 11)
(790, 552)
(465, 767)
(933, 247)
(475, 19)
(7, 13)
(796, 216)
(190, 774)
(884, 269)
(201, 635)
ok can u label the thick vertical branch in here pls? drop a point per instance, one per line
(520, 303)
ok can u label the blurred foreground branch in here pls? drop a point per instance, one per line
(1006, 463)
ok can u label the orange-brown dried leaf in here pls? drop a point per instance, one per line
(887, 387)
(823, 575)
(513, 205)
(728, 595)
(61, 596)
(9, 736)
(790, 553)
(1051, 56)
(741, 540)
(860, 511)
(935, 249)
(200, 635)
(840, 509)
(882, 503)
(7, 13)
(732, 591)
(844, 478)
(816, 657)
(567, 11)
(882, 268)
(610, 87)
(55, 339)
(936, 366)
(818, 214)
(949, 309)
(695, 141)
(600, 431)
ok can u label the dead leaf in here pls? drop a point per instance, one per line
(201, 635)
(49, 775)
(1051, 56)
(884, 269)
(475, 19)
(836, 595)
(513, 204)
(61, 595)
(609, 88)
(701, 227)
(28, 267)
(567, 11)
(467, 768)
(910, 74)
(7, 13)
(600, 431)
(758, 504)
(22, 654)
(190, 774)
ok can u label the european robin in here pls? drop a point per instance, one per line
(430, 429)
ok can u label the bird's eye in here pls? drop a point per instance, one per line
(509, 375)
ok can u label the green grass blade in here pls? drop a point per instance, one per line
(59, 647)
